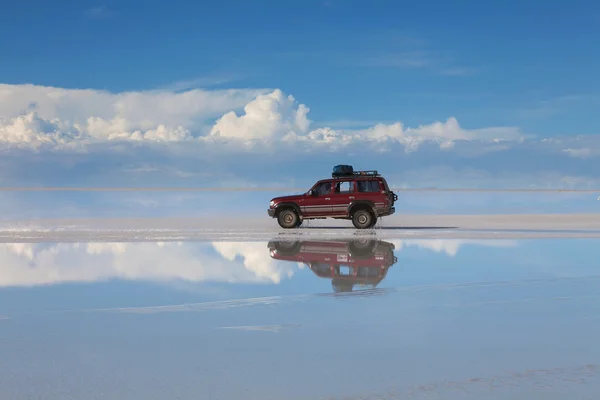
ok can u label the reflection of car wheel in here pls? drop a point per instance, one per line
(363, 219)
(362, 248)
(287, 248)
(288, 219)
(361, 243)
(339, 286)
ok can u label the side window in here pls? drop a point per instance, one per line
(323, 189)
(368, 186)
(343, 187)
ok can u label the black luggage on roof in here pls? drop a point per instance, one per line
(347, 170)
(342, 170)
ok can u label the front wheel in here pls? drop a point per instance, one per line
(288, 219)
(363, 219)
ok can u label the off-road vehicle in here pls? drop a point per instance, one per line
(360, 196)
(347, 262)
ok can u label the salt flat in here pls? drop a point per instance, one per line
(447, 320)
(232, 228)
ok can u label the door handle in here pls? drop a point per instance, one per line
(327, 198)
(351, 197)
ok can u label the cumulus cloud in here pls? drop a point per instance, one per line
(29, 129)
(35, 115)
(85, 113)
(25, 264)
(443, 133)
(276, 116)
(450, 246)
(255, 259)
(269, 116)
(227, 137)
(30, 264)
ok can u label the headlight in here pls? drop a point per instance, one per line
(272, 203)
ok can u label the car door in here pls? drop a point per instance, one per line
(318, 204)
(343, 193)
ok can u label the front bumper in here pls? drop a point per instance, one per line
(271, 212)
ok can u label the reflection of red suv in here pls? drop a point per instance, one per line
(360, 196)
(346, 262)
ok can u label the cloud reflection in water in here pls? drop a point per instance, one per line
(34, 264)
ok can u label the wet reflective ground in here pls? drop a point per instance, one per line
(317, 319)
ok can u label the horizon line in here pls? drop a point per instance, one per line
(242, 189)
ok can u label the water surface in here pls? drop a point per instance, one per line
(334, 319)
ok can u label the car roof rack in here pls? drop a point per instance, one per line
(357, 174)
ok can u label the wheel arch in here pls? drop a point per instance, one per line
(283, 206)
(362, 204)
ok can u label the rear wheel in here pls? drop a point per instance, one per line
(362, 247)
(373, 221)
(363, 219)
(288, 219)
(288, 248)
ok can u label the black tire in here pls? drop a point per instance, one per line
(287, 248)
(288, 219)
(362, 248)
(373, 221)
(362, 219)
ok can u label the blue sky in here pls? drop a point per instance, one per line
(487, 63)
(478, 94)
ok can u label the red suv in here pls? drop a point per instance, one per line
(360, 196)
(346, 262)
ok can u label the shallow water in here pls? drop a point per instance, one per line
(432, 318)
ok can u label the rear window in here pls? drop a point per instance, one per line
(385, 185)
(370, 185)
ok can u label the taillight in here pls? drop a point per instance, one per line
(393, 197)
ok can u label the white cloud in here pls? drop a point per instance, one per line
(255, 259)
(26, 264)
(442, 133)
(40, 264)
(276, 116)
(118, 128)
(30, 130)
(35, 115)
(101, 114)
(450, 246)
(269, 116)
(582, 152)
(231, 136)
